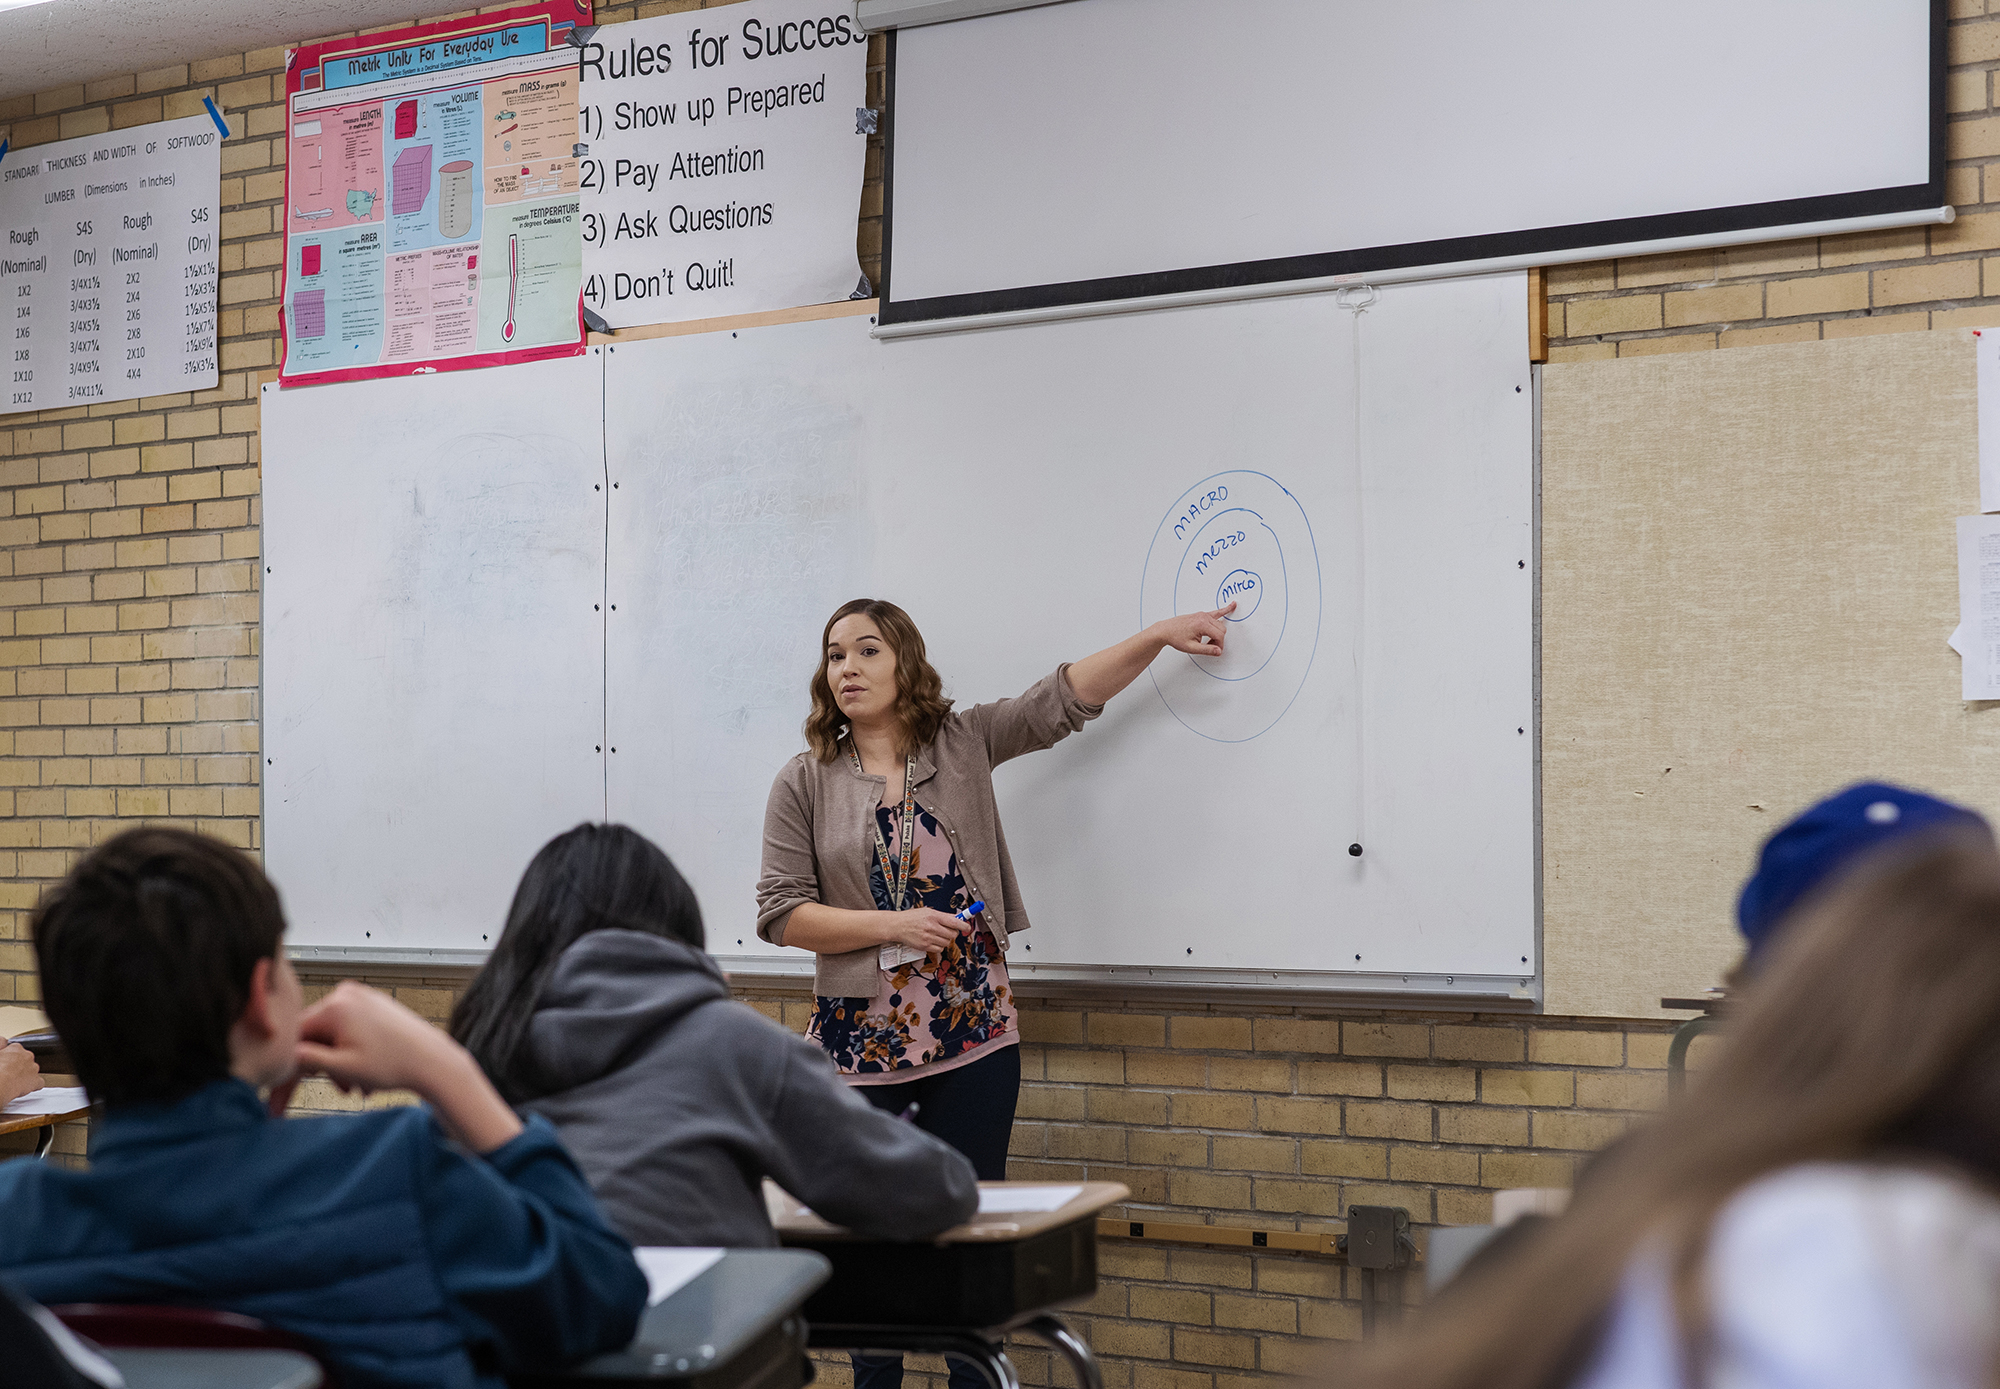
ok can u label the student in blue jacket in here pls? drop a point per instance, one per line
(445, 1245)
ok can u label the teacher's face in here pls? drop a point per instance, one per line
(861, 670)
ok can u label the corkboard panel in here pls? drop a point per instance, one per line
(1748, 575)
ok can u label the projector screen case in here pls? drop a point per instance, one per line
(1108, 150)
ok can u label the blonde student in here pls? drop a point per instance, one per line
(1823, 1209)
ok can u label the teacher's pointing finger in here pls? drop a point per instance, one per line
(1200, 634)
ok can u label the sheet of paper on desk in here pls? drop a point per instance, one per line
(669, 1270)
(1018, 1200)
(50, 1099)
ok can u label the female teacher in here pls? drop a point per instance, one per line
(884, 833)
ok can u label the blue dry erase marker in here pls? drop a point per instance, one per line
(974, 910)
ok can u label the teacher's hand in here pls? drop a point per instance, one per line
(920, 928)
(1198, 634)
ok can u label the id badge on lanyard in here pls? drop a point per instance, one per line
(895, 954)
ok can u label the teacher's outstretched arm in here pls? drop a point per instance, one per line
(1096, 678)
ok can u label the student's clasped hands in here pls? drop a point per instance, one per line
(362, 1039)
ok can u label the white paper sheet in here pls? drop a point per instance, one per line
(669, 1270)
(113, 296)
(50, 1099)
(1986, 353)
(1979, 605)
(1956, 641)
(1016, 1200)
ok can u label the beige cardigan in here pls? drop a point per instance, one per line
(818, 847)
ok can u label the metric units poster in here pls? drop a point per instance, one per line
(431, 197)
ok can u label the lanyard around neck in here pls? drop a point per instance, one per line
(897, 883)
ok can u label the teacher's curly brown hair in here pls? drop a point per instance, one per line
(921, 705)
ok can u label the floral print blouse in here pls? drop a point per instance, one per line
(932, 1014)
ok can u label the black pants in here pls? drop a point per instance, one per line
(972, 1109)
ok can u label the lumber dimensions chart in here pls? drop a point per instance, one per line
(431, 202)
(108, 271)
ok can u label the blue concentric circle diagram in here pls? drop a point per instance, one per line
(1236, 536)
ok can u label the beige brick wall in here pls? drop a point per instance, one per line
(1279, 1118)
(129, 532)
(1825, 287)
(1264, 1117)
(128, 685)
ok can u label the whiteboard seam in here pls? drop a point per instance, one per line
(1355, 310)
(604, 605)
(1540, 984)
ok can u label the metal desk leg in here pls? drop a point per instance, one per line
(1069, 1346)
(45, 1138)
(990, 1360)
(1677, 1051)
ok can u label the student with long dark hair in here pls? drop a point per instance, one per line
(1822, 1209)
(600, 1010)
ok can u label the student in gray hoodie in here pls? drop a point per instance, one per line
(600, 1010)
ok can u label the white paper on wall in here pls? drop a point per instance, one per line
(108, 272)
(1979, 604)
(1987, 354)
(725, 155)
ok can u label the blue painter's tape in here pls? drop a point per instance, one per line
(215, 115)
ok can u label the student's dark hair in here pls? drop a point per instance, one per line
(146, 951)
(1872, 1033)
(594, 878)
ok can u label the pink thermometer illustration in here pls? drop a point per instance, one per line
(513, 285)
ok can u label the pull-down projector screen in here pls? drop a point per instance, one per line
(1110, 149)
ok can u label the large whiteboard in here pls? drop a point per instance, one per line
(1014, 490)
(1019, 492)
(433, 647)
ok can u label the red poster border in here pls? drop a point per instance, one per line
(561, 16)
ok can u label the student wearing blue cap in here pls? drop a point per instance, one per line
(1823, 1208)
(1821, 843)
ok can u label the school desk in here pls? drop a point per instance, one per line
(1002, 1271)
(215, 1369)
(735, 1325)
(46, 1122)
